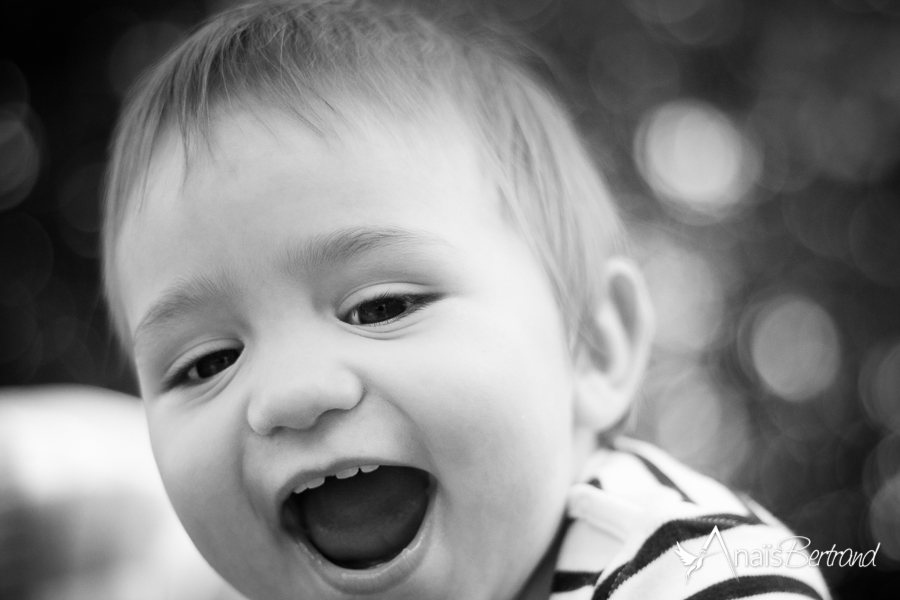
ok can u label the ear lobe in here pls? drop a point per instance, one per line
(607, 381)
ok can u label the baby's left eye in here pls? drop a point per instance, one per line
(388, 308)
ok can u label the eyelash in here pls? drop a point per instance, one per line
(179, 378)
(416, 302)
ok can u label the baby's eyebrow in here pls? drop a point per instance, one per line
(345, 245)
(319, 252)
(183, 297)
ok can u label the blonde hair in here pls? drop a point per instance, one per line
(310, 57)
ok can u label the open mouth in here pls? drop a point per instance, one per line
(360, 517)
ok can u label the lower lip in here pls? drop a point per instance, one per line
(383, 577)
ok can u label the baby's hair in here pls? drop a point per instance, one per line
(328, 62)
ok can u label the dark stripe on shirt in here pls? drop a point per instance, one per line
(663, 539)
(753, 585)
(611, 583)
(661, 477)
(566, 581)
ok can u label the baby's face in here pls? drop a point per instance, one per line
(307, 308)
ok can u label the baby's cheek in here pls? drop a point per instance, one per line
(193, 466)
(503, 441)
(492, 400)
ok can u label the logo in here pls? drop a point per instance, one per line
(693, 562)
(790, 552)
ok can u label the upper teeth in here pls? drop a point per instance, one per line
(343, 474)
(347, 473)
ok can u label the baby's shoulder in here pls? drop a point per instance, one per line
(642, 525)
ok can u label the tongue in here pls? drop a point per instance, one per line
(366, 519)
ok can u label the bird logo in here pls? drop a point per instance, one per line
(691, 561)
(694, 561)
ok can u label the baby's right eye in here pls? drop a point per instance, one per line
(213, 364)
(205, 367)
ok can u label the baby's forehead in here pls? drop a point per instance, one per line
(181, 152)
(254, 148)
(195, 155)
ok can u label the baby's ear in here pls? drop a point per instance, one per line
(609, 374)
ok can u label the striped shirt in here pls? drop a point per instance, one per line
(643, 526)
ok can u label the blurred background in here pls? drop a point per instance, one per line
(755, 150)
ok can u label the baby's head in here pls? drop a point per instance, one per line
(363, 265)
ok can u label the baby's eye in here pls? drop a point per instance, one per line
(388, 308)
(213, 364)
(207, 366)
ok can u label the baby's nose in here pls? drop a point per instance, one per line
(298, 394)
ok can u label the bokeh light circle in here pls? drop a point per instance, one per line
(882, 463)
(691, 417)
(19, 159)
(687, 295)
(794, 347)
(692, 22)
(695, 159)
(874, 240)
(884, 517)
(880, 386)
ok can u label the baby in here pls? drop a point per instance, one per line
(365, 271)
